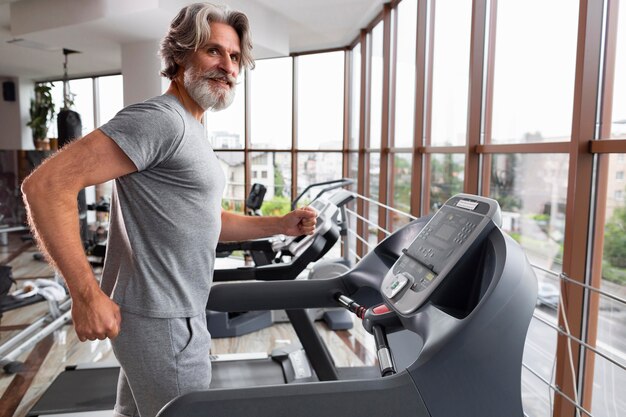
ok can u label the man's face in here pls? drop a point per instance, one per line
(211, 72)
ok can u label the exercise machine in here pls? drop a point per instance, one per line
(88, 388)
(461, 291)
(280, 258)
(57, 316)
(462, 286)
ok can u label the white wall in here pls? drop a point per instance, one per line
(14, 134)
(140, 68)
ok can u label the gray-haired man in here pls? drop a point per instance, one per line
(166, 217)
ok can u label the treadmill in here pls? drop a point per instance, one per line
(91, 387)
(461, 286)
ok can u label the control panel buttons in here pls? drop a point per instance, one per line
(395, 285)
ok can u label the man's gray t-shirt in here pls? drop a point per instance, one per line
(165, 218)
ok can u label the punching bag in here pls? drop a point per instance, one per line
(69, 128)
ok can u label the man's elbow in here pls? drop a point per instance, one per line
(36, 187)
(29, 188)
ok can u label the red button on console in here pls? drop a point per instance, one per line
(381, 309)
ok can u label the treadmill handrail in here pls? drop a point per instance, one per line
(336, 184)
(277, 295)
(369, 272)
(282, 271)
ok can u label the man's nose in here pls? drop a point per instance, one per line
(228, 66)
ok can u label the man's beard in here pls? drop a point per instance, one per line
(209, 96)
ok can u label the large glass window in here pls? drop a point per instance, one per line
(401, 188)
(405, 74)
(271, 109)
(446, 178)
(532, 190)
(315, 167)
(226, 128)
(277, 180)
(535, 60)
(611, 339)
(232, 164)
(320, 100)
(618, 127)
(110, 93)
(376, 86)
(374, 194)
(450, 72)
(355, 97)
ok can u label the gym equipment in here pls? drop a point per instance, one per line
(255, 199)
(463, 287)
(80, 388)
(455, 286)
(284, 258)
(259, 250)
(58, 315)
(279, 250)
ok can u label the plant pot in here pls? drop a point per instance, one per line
(42, 145)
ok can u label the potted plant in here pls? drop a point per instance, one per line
(41, 113)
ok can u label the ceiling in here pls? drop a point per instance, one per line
(99, 28)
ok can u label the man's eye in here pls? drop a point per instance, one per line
(234, 58)
(213, 51)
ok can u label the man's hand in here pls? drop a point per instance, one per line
(300, 222)
(95, 316)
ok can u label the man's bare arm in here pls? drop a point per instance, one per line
(237, 227)
(50, 194)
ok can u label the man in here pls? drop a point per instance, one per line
(165, 215)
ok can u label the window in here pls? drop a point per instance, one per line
(317, 167)
(405, 74)
(450, 72)
(401, 191)
(610, 340)
(355, 96)
(376, 89)
(618, 126)
(232, 164)
(320, 100)
(271, 109)
(619, 175)
(535, 59)
(446, 178)
(110, 91)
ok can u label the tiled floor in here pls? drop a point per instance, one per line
(51, 355)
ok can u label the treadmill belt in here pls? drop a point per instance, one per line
(240, 374)
(79, 390)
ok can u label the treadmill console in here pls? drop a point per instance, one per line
(462, 222)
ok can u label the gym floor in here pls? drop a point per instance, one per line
(50, 356)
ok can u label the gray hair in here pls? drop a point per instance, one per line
(190, 30)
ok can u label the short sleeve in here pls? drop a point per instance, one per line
(148, 133)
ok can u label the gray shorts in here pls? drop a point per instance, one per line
(161, 359)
